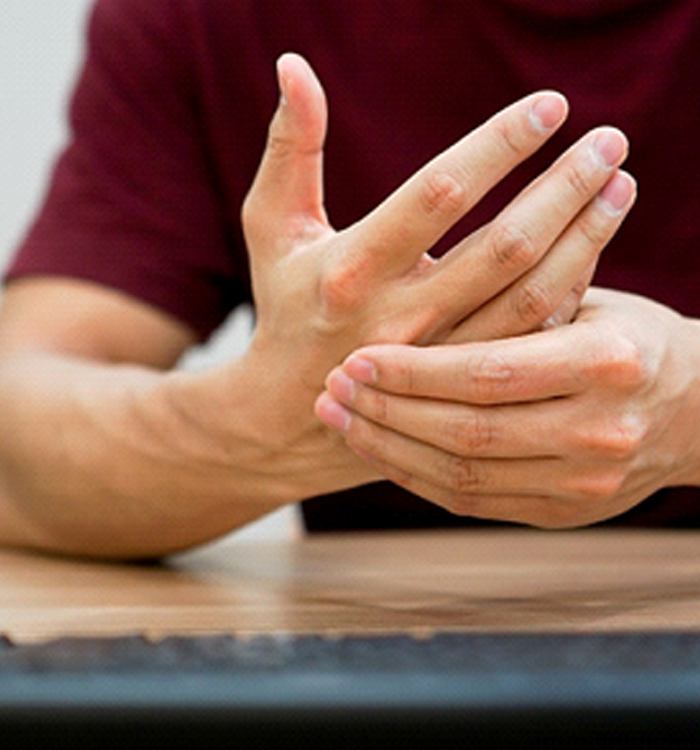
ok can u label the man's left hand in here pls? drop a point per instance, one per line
(559, 428)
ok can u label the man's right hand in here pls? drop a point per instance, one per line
(319, 292)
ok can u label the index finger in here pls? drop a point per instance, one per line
(393, 236)
(539, 366)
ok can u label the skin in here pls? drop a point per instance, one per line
(104, 451)
(556, 429)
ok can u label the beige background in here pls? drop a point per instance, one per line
(41, 47)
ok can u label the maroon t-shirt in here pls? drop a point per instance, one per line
(170, 114)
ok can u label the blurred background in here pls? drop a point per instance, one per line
(41, 47)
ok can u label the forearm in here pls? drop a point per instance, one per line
(111, 461)
(123, 461)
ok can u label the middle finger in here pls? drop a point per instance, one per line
(465, 429)
(472, 273)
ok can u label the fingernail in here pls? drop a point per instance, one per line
(609, 147)
(341, 386)
(617, 193)
(547, 112)
(332, 414)
(361, 369)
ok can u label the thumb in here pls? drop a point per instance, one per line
(289, 184)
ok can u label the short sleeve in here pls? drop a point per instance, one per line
(132, 202)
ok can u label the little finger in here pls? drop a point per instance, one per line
(537, 295)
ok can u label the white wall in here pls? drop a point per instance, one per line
(41, 46)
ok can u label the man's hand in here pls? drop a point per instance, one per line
(320, 293)
(556, 429)
(101, 455)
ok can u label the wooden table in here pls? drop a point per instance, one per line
(495, 580)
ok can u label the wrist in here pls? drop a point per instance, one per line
(214, 432)
(254, 420)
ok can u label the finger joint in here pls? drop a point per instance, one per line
(463, 476)
(532, 303)
(508, 137)
(512, 247)
(598, 486)
(578, 181)
(487, 376)
(616, 439)
(441, 193)
(470, 432)
(618, 362)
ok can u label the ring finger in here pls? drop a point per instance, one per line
(470, 275)
(456, 473)
(540, 292)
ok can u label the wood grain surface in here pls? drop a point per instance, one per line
(495, 580)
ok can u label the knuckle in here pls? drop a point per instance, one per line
(532, 302)
(625, 442)
(578, 181)
(620, 363)
(336, 293)
(630, 368)
(508, 135)
(599, 486)
(462, 476)
(619, 439)
(470, 432)
(340, 286)
(441, 193)
(512, 247)
(486, 375)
